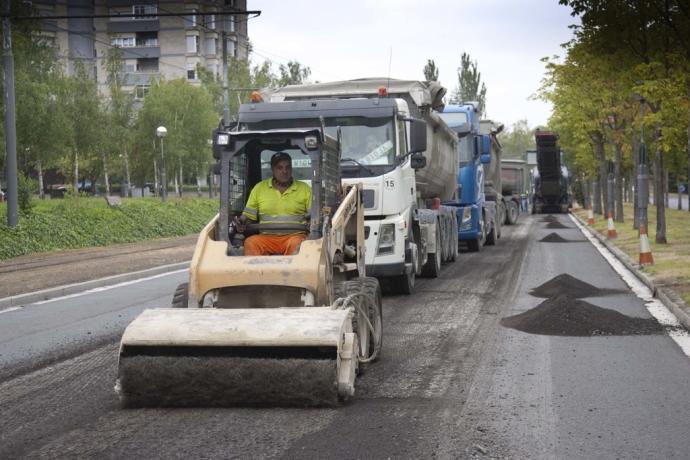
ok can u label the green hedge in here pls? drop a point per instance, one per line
(84, 222)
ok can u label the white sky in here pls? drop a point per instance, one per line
(341, 40)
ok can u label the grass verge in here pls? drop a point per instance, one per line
(85, 222)
(671, 260)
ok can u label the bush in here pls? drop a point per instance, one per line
(26, 187)
(88, 221)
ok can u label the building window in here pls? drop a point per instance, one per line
(191, 71)
(211, 22)
(140, 10)
(211, 46)
(148, 65)
(140, 91)
(147, 39)
(229, 23)
(213, 68)
(123, 42)
(191, 18)
(192, 43)
(232, 49)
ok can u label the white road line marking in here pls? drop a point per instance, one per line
(112, 286)
(7, 310)
(657, 309)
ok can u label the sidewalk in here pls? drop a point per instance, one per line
(38, 272)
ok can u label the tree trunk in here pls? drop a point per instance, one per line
(666, 188)
(181, 181)
(76, 172)
(659, 189)
(105, 174)
(599, 156)
(128, 180)
(41, 192)
(198, 184)
(618, 178)
(633, 182)
(679, 203)
(687, 187)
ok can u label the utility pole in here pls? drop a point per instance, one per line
(10, 121)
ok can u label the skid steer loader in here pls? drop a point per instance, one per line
(267, 330)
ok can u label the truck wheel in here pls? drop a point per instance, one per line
(476, 245)
(512, 213)
(181, 296)
(402, 284)
(492, 236)
(369, 343)
(432, 268)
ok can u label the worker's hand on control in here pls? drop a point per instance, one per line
(240, 223)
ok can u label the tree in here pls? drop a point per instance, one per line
(430, 70)
(470, 87)
(189, 116)
(517, 140)
(293, 73)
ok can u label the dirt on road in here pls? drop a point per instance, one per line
(46, 270)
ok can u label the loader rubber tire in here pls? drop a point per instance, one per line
(370, 287)
(181, 296)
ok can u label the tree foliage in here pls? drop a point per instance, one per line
(430, 71)
(517, 140)
(470, 86)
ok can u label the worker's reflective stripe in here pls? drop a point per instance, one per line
(252, 213)
(266, 218)
(281, 229)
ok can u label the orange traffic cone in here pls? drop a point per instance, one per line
(612, 229)
(590, 215)
(645, 251)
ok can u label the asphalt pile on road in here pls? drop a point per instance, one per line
(556, 238)
(564, 315)
(571, 286)
(556, 224)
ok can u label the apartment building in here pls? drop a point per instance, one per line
(153, 46)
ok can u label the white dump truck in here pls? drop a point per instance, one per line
(399, 149)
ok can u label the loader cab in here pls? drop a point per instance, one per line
(243, 160)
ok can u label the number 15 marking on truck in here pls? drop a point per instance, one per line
(390, 183)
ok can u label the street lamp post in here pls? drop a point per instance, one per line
(161, 132)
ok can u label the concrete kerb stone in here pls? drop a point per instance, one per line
(667, 296)
(59, 291)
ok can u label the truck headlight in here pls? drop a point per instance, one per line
(466, 219)
(386, 239)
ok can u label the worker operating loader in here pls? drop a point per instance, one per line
(254, 328)
(275, 202)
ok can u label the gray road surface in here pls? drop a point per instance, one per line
(452, 382)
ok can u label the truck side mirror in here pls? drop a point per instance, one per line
(485, 152)
(417, 135)
(417, 161)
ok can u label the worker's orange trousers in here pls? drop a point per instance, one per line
(266, 245)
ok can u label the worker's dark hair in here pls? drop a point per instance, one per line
(280, 156)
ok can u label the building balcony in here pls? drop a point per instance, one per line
(140, 78)
(138, 52)
(134, 25)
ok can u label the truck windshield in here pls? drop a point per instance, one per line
(369, 141)
(466, 150)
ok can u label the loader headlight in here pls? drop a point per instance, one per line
(311, 142)
(223, 139)
(386, 239)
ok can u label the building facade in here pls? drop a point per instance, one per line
(153, 46)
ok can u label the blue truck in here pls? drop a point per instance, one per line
(478, 209)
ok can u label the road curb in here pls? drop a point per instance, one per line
(667, 296)
(67, 289)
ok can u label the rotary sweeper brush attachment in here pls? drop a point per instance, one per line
(229, 357)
